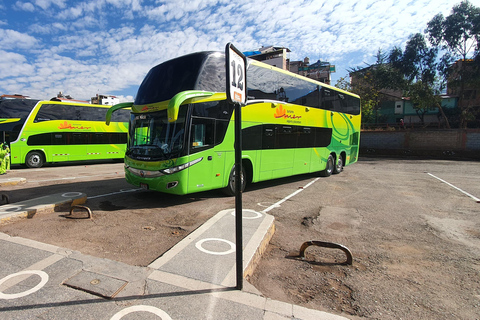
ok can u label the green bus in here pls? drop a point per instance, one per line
(39, 132)
(181, 129)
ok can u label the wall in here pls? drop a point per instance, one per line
(430, 143)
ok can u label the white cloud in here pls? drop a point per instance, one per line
(11, 39)
(26, 6)
(108, 45)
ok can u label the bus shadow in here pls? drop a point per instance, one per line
(102, 196)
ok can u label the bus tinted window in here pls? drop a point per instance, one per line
(214, 109)
(270, 84)
(167, 79)
(50, 112)
(212, 75)
(16, 108)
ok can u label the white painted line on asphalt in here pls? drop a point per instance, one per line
(276, 205)
(111, 194)
(451, 185)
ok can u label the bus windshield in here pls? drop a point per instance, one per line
(152, 137)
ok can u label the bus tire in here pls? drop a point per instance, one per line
(339, 166)
(329, 168)
(34, 159)
(229, 190)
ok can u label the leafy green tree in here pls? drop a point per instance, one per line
(417, 66)
(370, 83)
(459, 36)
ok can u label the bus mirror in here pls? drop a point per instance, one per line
(108, 116)
(179, 98)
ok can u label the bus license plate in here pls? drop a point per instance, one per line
(144, 186)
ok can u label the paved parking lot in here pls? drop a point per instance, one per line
(411, 224)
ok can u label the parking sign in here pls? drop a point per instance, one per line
(236, 75)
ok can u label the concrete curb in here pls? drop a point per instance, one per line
(46, 204)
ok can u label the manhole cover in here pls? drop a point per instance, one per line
(95, 283)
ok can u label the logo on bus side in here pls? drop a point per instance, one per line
(280, 112)
(66, 125)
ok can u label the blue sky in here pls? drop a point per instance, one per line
(107, 46)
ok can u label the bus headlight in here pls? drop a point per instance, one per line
(181, 167)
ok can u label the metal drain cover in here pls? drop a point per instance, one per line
(97, 284)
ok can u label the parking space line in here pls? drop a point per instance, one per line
(112, 193)
(451, 185)
(277, 204)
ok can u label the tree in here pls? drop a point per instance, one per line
(459, 35)
(417, 66)
(370, 83)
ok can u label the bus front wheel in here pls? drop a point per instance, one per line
(229, 190)
(34, 159)
(329, 168)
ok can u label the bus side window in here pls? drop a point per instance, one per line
(203, 132)
(327, 99)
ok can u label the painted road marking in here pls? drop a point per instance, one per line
(43, 280)
(113, 193)
(218, 253)
(451, 185)
(257, 215)
(156, 311)
(277, 204)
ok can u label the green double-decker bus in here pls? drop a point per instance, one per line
(181, 129)
(39, 132)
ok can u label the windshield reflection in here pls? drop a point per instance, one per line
(152, 137)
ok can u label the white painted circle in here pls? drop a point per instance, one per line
(156, 311)
(257, 214)
(231, 244)
(71, 194)
(11, 208)
(43, 276)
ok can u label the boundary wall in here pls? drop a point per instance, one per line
(454, 143)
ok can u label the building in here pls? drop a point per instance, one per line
(274, 56)
(67, 98)
(468, 92)
(105, 99)
(13, 96)
(320, 70)
(279, 57)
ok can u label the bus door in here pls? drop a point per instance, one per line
(96, 147)
(208, 173)
(78, 146)
(277, 152)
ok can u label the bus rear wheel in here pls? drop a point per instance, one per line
(34, 159)
(339, 166)
(229, 190)
(329, 168)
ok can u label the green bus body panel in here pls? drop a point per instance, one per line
(282, 139)
(70, 151)
(266, 164)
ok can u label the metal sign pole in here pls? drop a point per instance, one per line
(238, 196)
(236, 89)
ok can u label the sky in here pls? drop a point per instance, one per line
(88, 47)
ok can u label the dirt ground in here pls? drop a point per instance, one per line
(415, 241)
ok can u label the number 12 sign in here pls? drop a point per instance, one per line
(236, 75)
